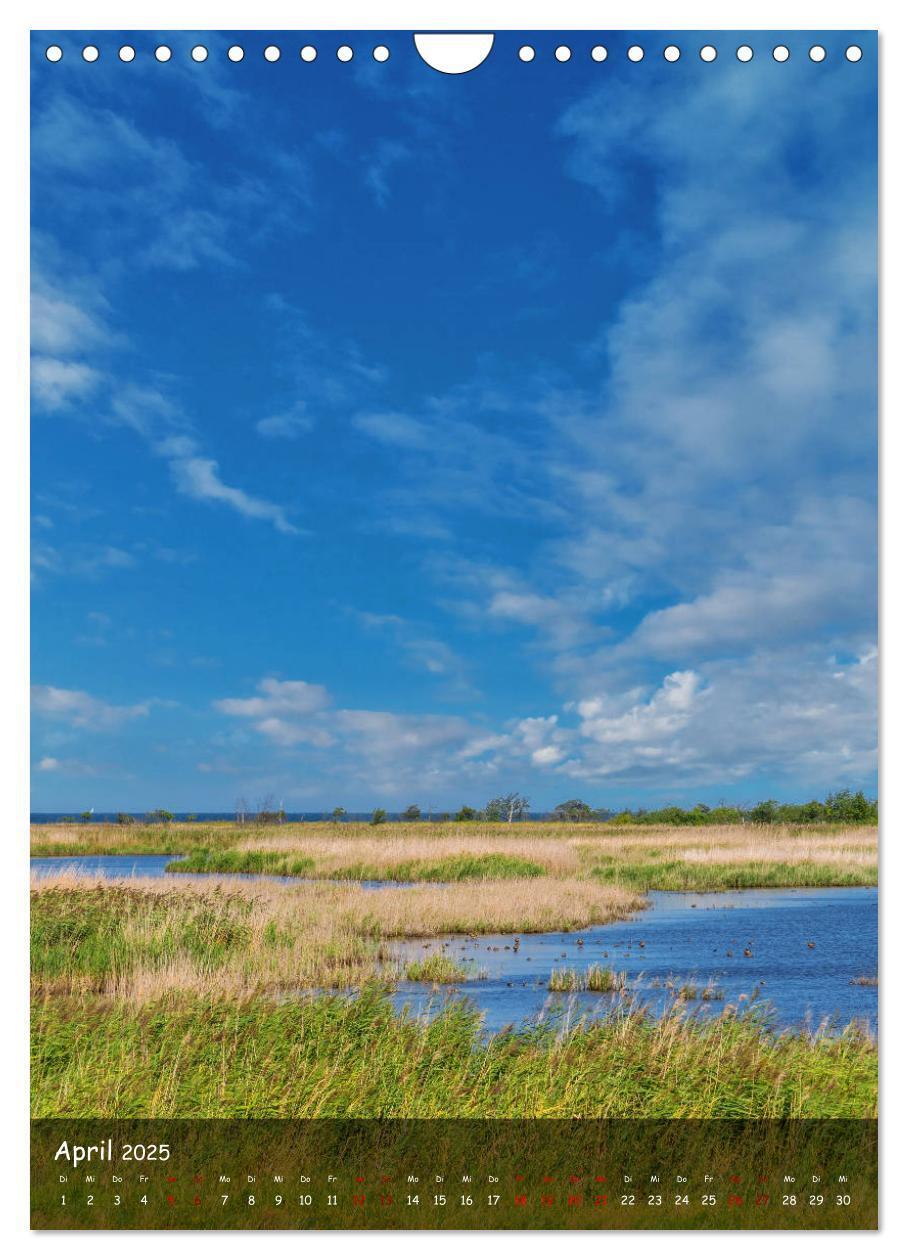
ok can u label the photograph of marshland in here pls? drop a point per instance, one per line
(456, 969)
(505, 437)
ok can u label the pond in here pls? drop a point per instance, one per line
(106, 866)
(154, 866)
(798, 950)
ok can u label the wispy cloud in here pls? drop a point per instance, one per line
(287, 424)
(147, 409)
(199, 478)
(81, 710)
(57, 382)
(385, 156)
(422, 650)
(78, 559)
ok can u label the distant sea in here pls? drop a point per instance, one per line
(323, 816)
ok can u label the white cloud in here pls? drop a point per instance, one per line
(542, 739)
(500, 596)
(667, 712)
(789, 714)
(65, 320)
(420, 650)
(59, 325)
(79, 709)
(145, 409)
(78, 559)
(199, 478)
(58, 382)
(278, 698)
(66, 766)
(395, 428)
(369, 745)
(287, 424)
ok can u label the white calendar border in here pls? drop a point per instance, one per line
(16, 19)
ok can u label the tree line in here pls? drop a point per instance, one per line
(838, 807)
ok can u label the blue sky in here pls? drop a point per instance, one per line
(409, 437)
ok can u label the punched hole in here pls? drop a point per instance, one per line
(708, 53)
(127, 53)
(526, 53)
(635, 53)
(817, 53)
(599, 53)
(381, 53)
(780, 53)
(162, 53)
(745, 53)
(235, 53)
(272, 53)
(562, 53)
(345, 53)
(853, 53)
(54, 53)
(199, 53)
(308, 53)
(672, 53)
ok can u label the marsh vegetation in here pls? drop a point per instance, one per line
(667, 858)
(231, 997)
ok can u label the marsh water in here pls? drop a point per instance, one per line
(154, 866)
(796, 952)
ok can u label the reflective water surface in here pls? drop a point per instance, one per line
(797, 950)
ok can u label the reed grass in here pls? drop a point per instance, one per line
(706, 858)
(448, 870)
(594, 980)
(437, 969)
(139, 939)
(338, 1057)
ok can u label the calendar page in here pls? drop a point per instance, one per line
(454, 630)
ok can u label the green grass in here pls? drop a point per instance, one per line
(86, 949)
(677, 875)
(246, 862)
(437, 969)
(443, 871)
(594, 980)
(450, 870)
(135, 839)
(336, 1057)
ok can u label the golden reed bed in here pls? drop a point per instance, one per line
(564, 850)
(281, 936)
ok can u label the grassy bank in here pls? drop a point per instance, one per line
(140, 939)
(678, 875)
(336, 1057)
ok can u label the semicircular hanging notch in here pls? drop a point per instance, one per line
(453, 54)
